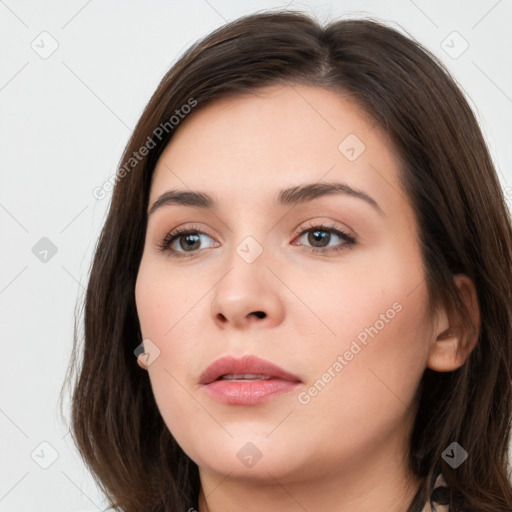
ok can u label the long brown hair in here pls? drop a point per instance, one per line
(465, 227)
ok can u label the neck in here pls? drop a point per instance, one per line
(377, 482)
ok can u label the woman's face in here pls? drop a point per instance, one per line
(256, 275)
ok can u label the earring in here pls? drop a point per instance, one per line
(139, 353)
(140, 362)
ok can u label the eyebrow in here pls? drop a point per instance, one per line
(287, 197)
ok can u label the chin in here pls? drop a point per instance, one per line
(254, 458)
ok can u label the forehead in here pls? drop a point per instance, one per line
(246, 147)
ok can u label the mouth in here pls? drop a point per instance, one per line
(246, 368)
(244, 377)
(246, 381)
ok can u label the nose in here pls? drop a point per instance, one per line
(247, 296)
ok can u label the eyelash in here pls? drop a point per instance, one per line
(173, 235)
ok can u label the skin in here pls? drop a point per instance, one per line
(345, 450)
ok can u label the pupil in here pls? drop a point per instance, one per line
(193, 239)
(319, 236)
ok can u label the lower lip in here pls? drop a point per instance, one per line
(248, 392)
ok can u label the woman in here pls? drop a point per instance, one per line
(308, 251)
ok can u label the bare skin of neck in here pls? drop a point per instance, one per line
(374, 486)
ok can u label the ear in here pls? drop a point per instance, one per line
(453, 342)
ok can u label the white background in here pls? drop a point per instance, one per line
(65, 121)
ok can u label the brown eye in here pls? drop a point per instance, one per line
(319, 239)
(181, 241)
(188, 242)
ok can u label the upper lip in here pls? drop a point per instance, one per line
(247, 364)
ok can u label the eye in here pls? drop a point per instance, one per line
(321, 236)
(322, 239)
(181, 241)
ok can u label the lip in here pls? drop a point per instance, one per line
(249, 392)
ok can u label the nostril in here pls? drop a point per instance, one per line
(259, 314)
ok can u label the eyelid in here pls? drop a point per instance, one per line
(322, 225)
(348, 239)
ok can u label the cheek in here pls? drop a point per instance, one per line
(367, 302)
(168, 318)
(375, 318)
(164, 300)
(363, 383)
